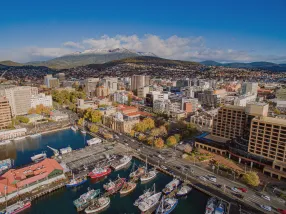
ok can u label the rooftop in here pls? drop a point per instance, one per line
(271, 120)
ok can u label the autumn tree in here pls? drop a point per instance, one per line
(163, 131)
(93, 128)
(171, 141)
(93, 115)
(251, 178)
(159, 143)
(188, 148)
(149, 123)
(80, 121)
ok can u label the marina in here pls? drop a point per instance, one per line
(85, 160)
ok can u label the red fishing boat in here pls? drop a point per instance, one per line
(99, 172)
(114, 186)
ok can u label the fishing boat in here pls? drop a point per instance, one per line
(84, 200)
(171, 186)
(18, 207)
(220, 209)
(114, 186)
(4, 142)
(94, 141)
(66, 150)
(5, 165)
(124, 161)
(145, 195)
(127, 188)
(150, 202)
(138, 172)
(98, 205)
(99, 172)
(74, 182)
(167, 205)
(20, 138)
(39, 157)
(148, 175)
(211, 205)
(183, 191)
(35, 135)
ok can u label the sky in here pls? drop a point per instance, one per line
(193, 30)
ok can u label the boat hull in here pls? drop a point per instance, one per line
(77, 184)
(97, 209)
(167, 211)
(125, 192)
(99, 175)
(26, 206)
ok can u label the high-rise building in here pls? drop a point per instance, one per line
(90, 84)
(229, 122)
(41, 99)
(111, 83)
(141, 92)
(209, 98)
(51, 82)
(19, 98)
(102, 91)
(139, 81)
(5, 113)
(61, 76)
(249, 88)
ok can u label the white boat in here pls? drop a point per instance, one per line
(20, 138)
(148, 175)
(5, 142)
(98, 205)
(150, 202)
(184, 190)
(125, 160)
(39, 157)
(18, 207)
(211, 205)
(74, 128)
(66, 150)
(35, 135)
(94, 141)
(145, 195)
(171, 186)
(167, 205)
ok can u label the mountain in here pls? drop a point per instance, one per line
(252, 65)
(93, 56)
(10, 63)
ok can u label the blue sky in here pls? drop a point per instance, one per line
(222, 30)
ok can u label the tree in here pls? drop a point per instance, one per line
(178, 137)
(188, 148)
(171, 141)
(155, 132)
(23, 119)
(93, 128)
(149, 123)
(159, 143)
(132, 133)
(96, 116)
(80, 121)
(163, 131)
(129, 99)
(277, 111)
(251, 178)
(142, 137)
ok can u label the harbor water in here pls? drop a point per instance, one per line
(61, 201)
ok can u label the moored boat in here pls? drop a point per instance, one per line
(5, 165)
(74, 128)
(99, 172)
(66, 150)
(74, 182)
(220, 209)
(114, 186)
(145, 195)
(171, 186)
(124, 161)
(98, 205)
(167, 205)
(35, 135)
(18, 207)
(150, 202)
(127, 188)
(184, 190)
(148, 175)
(211, 205)
(94, 141)
(39, 157)
(138, 172)
(84, 200)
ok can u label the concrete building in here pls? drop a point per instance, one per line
(209, 98)
(155, 95)
(120, 97)
(257, 109)
(267, 139)
(202, 120)
(61, 76)
(111, 83)
(19, 98)
(41, 99)
(229, 122)
(13, 133)
(244, 99)
(33, 118)
(249, 88)
(142, 92)
(5, 113)
(161, 106)
(85, 104)
(101, 91)
(90, 84)
(51, 82)
(190, 105)
(58, 116)
(139, 81)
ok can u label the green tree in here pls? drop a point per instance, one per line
(171, 141)
(93, 128)
(129, 99)
(96, 116)
(80, 121)
(22, 119)
(251, 178)
(149, 123)
(178, 137)
(277, 111)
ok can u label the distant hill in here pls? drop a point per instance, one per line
(97, 56)
(10, 63)
(252, 65)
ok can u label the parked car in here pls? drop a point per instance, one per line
(234, 189)
(238, 195)
(242, 189)
(163, 167)
(265, 207)
(211, 178)
(266, 197)
(203, 178)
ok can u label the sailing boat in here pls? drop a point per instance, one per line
(83, 130)
(148, 175)
(149, 202)
(145, 195)
(167, 205)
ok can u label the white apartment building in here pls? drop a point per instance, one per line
(161, 106)
(90, 84)
(41, 99)
(244, 99)
(120, 97)
(138, 81)
(111, 83)
(141, 92)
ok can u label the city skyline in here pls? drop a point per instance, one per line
(194, 31)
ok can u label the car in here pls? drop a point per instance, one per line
(218, 185)
(163, 167)
(203, 178)
(265, 207)
(242, 189)
(266, 197)
(236, 189)
(281, 211)
(187, 166)
(211, 178)
(238, 195)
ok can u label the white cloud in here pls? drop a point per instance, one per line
(174, 47)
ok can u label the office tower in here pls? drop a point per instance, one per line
(90, 84)
(139, 81)
(5, 113)
(249, 88)
(51, 82)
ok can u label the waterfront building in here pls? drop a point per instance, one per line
(249, 88)
(139, 81)
(41, 99)
(13, 133)
(51, 82)
(33, 118)
(25, 179)
(58, 116)
(5, 113)
(85, 104)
